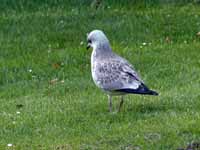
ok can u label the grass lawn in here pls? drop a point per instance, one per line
(48, 99)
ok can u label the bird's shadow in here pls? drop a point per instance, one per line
(146, 108)
(152, 108)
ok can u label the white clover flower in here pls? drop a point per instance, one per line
(9, 145)
(144, 43)
(30, 70)
(81, 43)
(18, 112)
(34, 76)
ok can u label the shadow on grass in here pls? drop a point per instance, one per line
(148, 108)
(154, 108)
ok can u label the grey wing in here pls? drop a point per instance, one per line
(128, 68)
(115, 75)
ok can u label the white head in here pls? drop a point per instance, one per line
(98, 41)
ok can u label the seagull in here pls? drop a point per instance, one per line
(112, 73)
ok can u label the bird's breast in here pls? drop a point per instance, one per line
(93, 60)
(94, 68)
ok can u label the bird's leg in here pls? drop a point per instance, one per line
(110, 102)
(121, 103)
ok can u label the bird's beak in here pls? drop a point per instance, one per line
(88, 46)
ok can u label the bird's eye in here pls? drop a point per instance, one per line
(89, 41)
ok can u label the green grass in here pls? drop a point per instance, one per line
(45, 75)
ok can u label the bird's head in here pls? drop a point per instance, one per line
(97, 39)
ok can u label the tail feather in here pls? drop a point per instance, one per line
(142, 89)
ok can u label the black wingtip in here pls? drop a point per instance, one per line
(153, 93)
(142, 89)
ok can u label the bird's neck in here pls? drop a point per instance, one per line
(101, 51)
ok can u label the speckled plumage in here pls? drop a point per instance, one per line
(112, 74)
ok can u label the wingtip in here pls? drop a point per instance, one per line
(153, 93)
